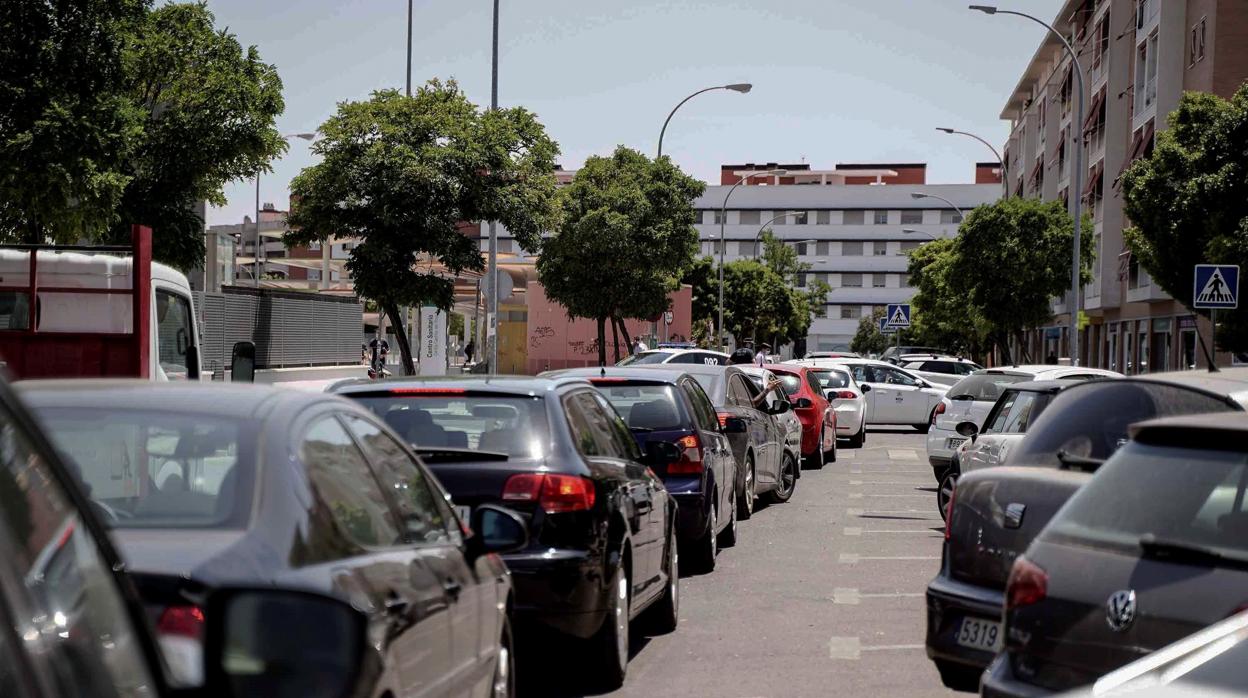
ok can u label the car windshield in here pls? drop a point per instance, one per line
(158, 469)
(645, 357)
(1162, 500)
(648, 407)
(983, 387)
(514, 425)
(791, 382)
(829, 379)
(1086, 423)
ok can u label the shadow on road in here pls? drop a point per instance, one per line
(898, 518)
(560, 673)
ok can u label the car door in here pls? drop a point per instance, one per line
(405, 583)
(429, 526)
(773, 438)
(741, 398)
(979, 454)
(908, 401)
(717, 450)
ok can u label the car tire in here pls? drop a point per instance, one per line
(706, 548)
(959, 677)
(788, 481)
(926, 426)
(728, 537)
(831, 458)
(504, 683)
(745, 503)
(816, 460)
(944, 492)
(857, 440)
(609, 648)
(663, 616)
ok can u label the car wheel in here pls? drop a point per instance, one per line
(788, 480)
(504, 668)
(816, 459)
(857, 440)
(707, 547)
(830, 456)
(663, 616)
(944, 492)
(925, 426)
(745, 505)
(728, 537)
(610, 647)
(959, 677)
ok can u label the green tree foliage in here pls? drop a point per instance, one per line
(868, 339)
(401, 173)
(1188, 201)
(701, 276)
(626, 239)
(942, 317)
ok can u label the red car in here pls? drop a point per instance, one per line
(810, 404)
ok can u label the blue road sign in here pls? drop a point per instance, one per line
(1216, 287)
(897, 315)
(885, 327)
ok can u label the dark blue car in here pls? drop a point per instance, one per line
(661, 405)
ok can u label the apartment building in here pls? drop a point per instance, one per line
(1138, 57)
(848, 223)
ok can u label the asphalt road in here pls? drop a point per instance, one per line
(822, 596)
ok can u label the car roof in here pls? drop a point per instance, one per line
(178, 397)
(1051, 385)
(1225, 431)
(1041, 369)
(1227, 382)
(693, 369)
(933, 357)
(648, 372)
(486, 383)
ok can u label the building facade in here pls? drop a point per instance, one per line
(1138, 56)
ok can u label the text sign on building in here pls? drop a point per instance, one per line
(897, 316)
(432, 341)
(1216, 287)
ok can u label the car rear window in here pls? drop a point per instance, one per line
(512, 424)
(649, 407)
(645, 357)
(1090, 421)
(829, 380)
(1184, 496)
(983, 387)
(158, 469)
(791, 382)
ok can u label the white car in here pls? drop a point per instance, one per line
(893, 395)
(707, 357)
(970, 400)
(837, 384)
(942, 370)
(788, 422)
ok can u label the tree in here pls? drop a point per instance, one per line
(701, 276)
(1010, 259)
(869, 339)
(626, 239)
(942, 317)
(401, 173)
(1188, 201)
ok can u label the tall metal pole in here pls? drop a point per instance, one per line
(256, 277)
(491, 314)
(1005, 177)
(924, 195)
(759, 235)
(742, 87)
(409, 48)
(723, 218)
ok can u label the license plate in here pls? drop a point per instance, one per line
(465, 512)
(952, 443)
(980, 634)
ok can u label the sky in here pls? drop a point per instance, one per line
(835, 81)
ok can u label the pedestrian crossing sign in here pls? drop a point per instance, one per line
(1216, 287)
(897, 315)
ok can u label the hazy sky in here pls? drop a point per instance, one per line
(834, 80)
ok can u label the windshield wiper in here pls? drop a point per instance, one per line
(964, 396)
(442, 454)
(641, 429)
(1154, 547)
(1082, 463)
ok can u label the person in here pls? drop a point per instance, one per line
(761, 357)
(639, 346)
(469, 349)
(741, 357)
(380, 349)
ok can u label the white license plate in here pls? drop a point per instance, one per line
(980, 634)
(465, 512)
(952, 443)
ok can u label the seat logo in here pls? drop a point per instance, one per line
(1120, 610)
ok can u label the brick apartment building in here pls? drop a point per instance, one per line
(1139, 56)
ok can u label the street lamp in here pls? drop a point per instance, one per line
(1005, 179)
(1077, 179)
(912, 231)
(741, 87)
(774, 219)
(256, 276)
(723, 217)
(924, 195)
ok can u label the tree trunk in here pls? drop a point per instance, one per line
(1005, 347)
(628, 341)
(400, 337)
(602, 341)
(615, 340)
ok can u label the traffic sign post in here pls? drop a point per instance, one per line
(1216, 286)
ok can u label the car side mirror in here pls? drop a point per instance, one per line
(495, 530)
(660, 454)
(780, 407)
(866, 387)
(803, 403)
(243, 363)
(284, 644)
(967, 429)
(732, 425)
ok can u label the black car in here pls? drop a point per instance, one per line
(211, 486)
(668, 405)
(603, 527)
(758, 442)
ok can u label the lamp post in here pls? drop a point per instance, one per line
(912, 231)
(773, 220)
(491, 307)
(1076, 180)
(723, 218)
(1005, 179)
(256, 276)
(741, 87)
(924, 195)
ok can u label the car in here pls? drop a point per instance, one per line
(826, 355)
(970, 399)
(804, 386)
(84, 630)
(669, 406)
(893, 354)
(756, 439)
(663, 355)
(895, 395)
(941, 370)
(996, 512)
(602, 550)
(1151, 549)
(788, 420)
(209, 486)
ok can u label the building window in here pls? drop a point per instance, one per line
(780, 217)
(854, 217)
(749, 218)
(820, 310)
(801, 281)
(881, 218)
(1198, 41)
(905, 280)
(823, 217)
(801, 249)
(719, 216)
(1146, 74)
(879, 280)
(697, 217)
(851, 249)
(908, 246)
(801, 218)
(879, 248)
(821, 249)
(851, 312)
(851, 280)
(833, 310)
(911, 217)
(950, 217)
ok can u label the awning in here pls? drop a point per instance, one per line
(1035, 171)
(1139, 143)
(1124, 265)
(1094, 177)
(1095, 111)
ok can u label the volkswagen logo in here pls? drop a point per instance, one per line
(1120, 610)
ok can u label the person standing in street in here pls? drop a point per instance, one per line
(761, 357)
(639, 346)
(469, 349)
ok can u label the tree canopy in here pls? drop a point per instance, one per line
(1188, 201)
(401, 173)
(942, 317)
(626, 239)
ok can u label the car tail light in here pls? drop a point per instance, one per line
(179, 633)
(940, 409)
(182, 621)
(690, 462)
(427, 391)
(1027, 584)
(555, 494)
(846, 395)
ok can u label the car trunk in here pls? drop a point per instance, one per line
(1070, 641)
(984, 539)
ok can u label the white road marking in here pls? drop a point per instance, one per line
(854, 558)
(858, 471)
(851, 648)
(872, 512)
(859, 496)
(852, 597)
(850, 531)
(902, 454)
(886, 482)
(855, 495)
